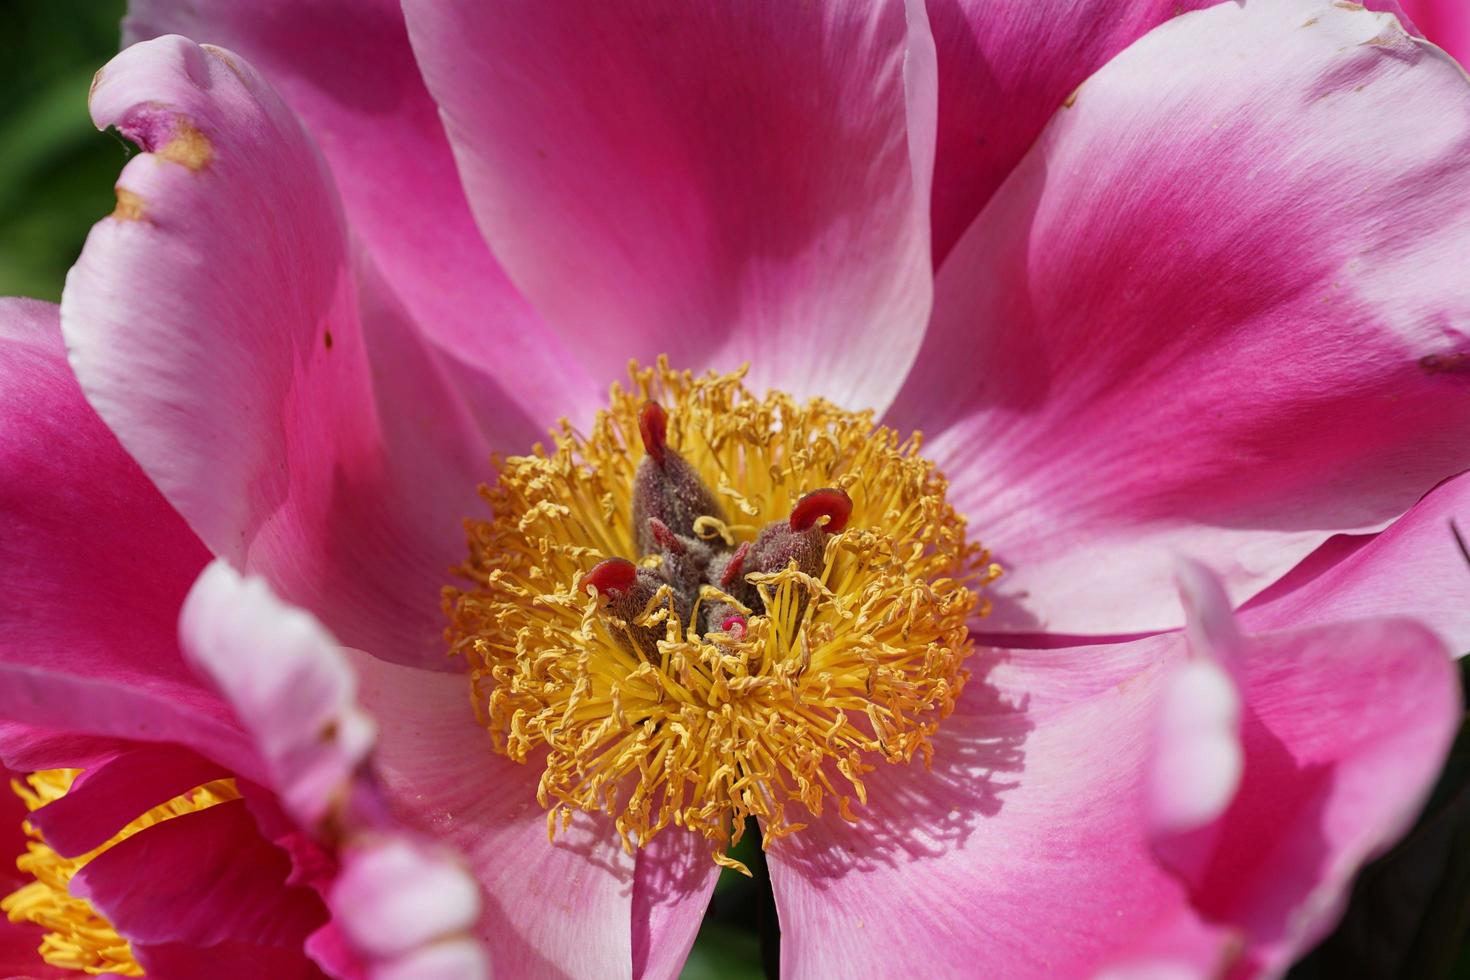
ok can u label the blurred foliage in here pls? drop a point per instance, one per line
(1410, 911)
(56, 170)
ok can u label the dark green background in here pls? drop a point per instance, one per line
(1411, 909)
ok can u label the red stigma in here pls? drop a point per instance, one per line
(736, 566)
(829, 502)
(734, 623)
(666, 539)
(653, 426)
(611, 577)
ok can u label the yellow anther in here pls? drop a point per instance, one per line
(858, 663)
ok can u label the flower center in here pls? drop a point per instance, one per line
(714, 606)
(78, 938)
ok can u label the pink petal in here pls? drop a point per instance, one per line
(287, 682)
(95, 562)
(219, 323)
(1028, 846)
(1445, 22)
(550, 909)
(1139, 347)
(350, 76)
(394, 896)
(1334, 773)
(673, 879)
(1413, 568)
(720, 183)
(200, 879)
(108, 797)
(1004, 69)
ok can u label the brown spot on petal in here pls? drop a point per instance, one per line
(1071, 100)
(223, 56)
(1310, 21)
(327, 339)
(129, 206)
(1453, 363)
(92, 89)
(188, 146)
(1347, 5)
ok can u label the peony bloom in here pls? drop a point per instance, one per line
(1200, 336)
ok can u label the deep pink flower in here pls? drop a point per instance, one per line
(1445, 22)
(1214, 308)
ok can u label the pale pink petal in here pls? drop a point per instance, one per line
(1413, 568)
(550, 908)
(1028, 846)
(1445, 22)
(287, 682)
(219, 323)
(199, 879)
(395, 896)
(349, 73)
(673, 878)
(1217, 311)
(453, 960)
(1004, 68)
(721, 183)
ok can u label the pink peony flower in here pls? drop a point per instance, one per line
(1213, 308)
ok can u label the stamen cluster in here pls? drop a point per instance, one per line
(714, 606)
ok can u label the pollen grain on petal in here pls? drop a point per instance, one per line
(187, 146)
(129, 206)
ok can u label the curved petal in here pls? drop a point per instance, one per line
(95, 564)
(552, 909)
(347, 70)
(1029, 846)
(720, 182)
(1138, 347)
(219, 324)
(1413, 568)
(1004, 68)
(287, 682)
(200, 879)
(1445, 22)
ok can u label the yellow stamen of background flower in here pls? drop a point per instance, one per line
(718, 728)
(78, 938)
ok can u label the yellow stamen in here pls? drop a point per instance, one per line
(857, 664)
(78, 938)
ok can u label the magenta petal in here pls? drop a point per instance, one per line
(109, 796)
(721, 183)
(1445, 22)
(349, 73)
(199, 879)
(222, 325)
(1139, 345)
(288, 683)
(1047, 814)
(550, 909)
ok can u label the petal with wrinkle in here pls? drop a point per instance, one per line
(550, 909)
(221, 325)
(1039, 818)
(717, 182)
(1138, 347)
(347, 70)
